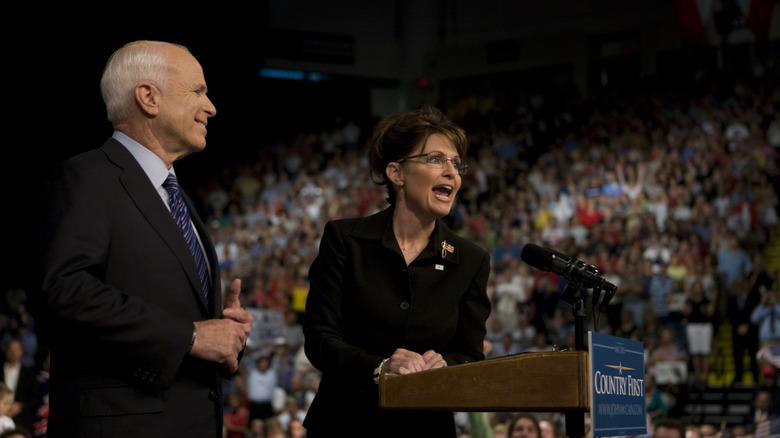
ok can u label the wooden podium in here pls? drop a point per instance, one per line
(531, 382)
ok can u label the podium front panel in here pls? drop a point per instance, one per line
(546, 381)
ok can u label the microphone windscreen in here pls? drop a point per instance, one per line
(537, 256)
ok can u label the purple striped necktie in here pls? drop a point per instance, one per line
(182, 217)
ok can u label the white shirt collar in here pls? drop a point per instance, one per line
(152, 165)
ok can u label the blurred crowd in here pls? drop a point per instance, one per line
(669, 192)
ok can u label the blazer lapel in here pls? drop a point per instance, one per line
(148, 201)
(379, 226)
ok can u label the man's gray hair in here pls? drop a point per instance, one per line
(133, 63)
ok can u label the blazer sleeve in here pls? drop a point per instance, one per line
(324, 342)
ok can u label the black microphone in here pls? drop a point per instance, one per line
(572, 269)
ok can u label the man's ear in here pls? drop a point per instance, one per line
(395, 173)
(147, 97)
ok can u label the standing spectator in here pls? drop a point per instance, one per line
(649, 330)
(512, 289)
(660, 288)
(506, 249)
(760, 410)
(22, 329)
(351, 132)
(632, 290)
(657, 249)
(525, 332)
(612, 188)
(6, 422)
(261, 386)
(506, 346)
(554, 233)
(656, 403)
(733, 261)
(291, 412)
(588, 212)
(766, 316)
(21, 380)
(627, 328)
(541, 343)
(544, 299)
(678, 268)
(246, 187)
(236, 416)
(744, 333)
(668, 349)
(699, 312)
(761, 278)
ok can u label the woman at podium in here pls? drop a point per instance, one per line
(396, 292)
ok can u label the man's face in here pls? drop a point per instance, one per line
(184, 109)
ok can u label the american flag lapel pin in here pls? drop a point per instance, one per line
(446, 248)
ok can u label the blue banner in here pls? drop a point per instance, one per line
(617, 382)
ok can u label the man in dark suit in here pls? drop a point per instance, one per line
(741, 302)
(136, 328)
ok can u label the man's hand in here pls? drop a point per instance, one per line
(221, 340)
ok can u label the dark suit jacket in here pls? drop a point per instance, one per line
(364, 302)
(117, 291)
(740, 314)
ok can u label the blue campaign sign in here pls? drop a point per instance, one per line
(617, 381)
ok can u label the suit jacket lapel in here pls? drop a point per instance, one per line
(148, 201)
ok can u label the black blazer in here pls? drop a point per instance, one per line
(738, 315)
(117, 292)
(364, 302)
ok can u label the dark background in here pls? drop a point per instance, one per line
(53, 58)
(52, 69)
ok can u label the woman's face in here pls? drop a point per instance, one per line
(524, 428)
(430, 191)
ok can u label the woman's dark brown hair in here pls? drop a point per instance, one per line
(399, 134)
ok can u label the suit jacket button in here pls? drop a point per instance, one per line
(213, 396)
(404, 305)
